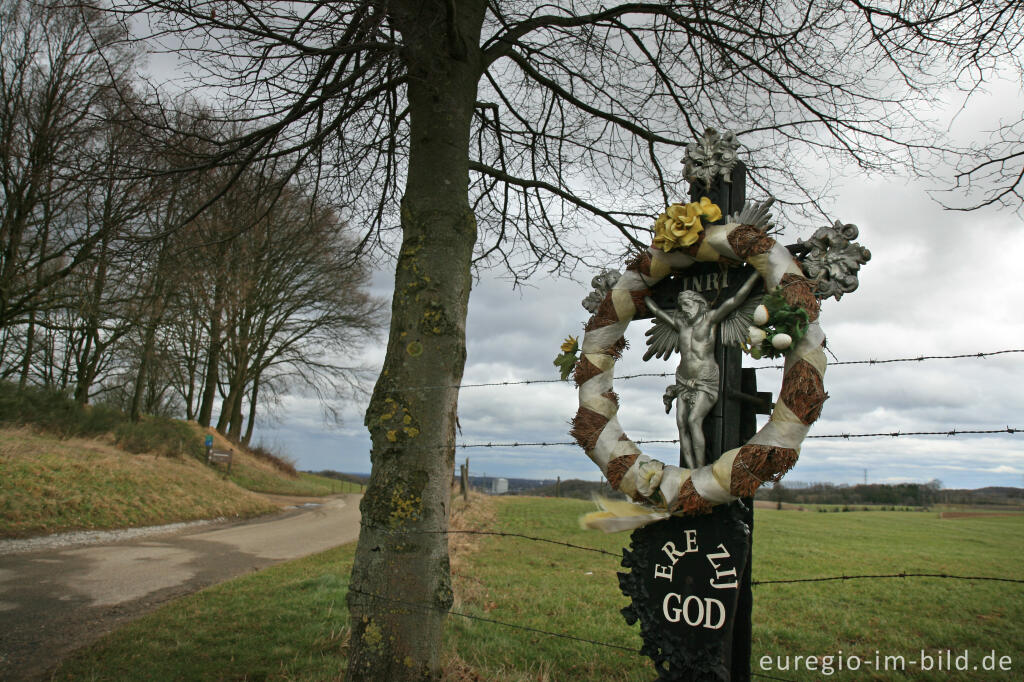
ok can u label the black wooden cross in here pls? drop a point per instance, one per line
(677, 594)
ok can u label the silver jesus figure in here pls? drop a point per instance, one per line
(692, 330)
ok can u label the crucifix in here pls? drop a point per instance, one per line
(725, 413)
(689, 558)
(689, 577)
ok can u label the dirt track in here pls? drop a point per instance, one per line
(54, 601)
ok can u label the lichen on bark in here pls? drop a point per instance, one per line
(402, 554)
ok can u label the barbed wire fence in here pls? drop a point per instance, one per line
(640, 375)
(642, 441)
(901, 575)
(950, 431)
(619, 555)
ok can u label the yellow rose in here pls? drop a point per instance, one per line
(664, 236)
(708, 210)
(676, 212)
(674, 228)
(569, 345)
(680, 225)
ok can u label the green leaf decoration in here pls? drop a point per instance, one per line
(565, 362)
(783, 318)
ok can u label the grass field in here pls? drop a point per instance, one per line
(289, 622)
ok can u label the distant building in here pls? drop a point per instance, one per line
(499, 486)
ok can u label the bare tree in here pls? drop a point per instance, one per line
(114, 205)
(298, 310)
(54, 78)
(499, 132)
(992, 174)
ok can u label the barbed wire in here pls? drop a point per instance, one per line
(585, 640)
(494, 533)
(644, 441)
(919, 358)
(896, 434)
(888, 575)
(494, 621)
(618, 555)
(526, 628)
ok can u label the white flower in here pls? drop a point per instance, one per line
(782, 341)
(760, 315)
(648, 477)
(757, 336)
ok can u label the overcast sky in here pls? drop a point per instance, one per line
(939, 283)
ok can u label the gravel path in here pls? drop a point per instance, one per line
(96, 537)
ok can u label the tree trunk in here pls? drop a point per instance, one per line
(26, 367)
(235, 427)
(88, 363)
(149, 340)
(26, 362)
(83, 380)
(5, 336)
(401, 586)
(227, 406)
(191, 366)
(230, 419)
(213, 356)
(252, 406)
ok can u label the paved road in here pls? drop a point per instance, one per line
(54, 601)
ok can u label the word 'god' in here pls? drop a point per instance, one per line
(696, 610)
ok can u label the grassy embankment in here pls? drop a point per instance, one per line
(65, 467)
(289, 621)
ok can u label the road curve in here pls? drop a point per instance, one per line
(54, 601)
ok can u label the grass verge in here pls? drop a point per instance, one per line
(288, 622)
(60, 469)
(284, 623)
(252, 477)
(247, 474)
(49, 485)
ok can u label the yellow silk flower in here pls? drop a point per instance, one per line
(680, 226)
(569, 345)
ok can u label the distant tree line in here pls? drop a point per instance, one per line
(902, 494)
(131, 276)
